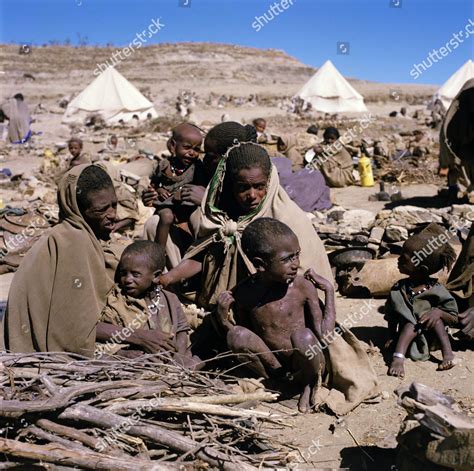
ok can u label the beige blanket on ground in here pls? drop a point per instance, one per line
(60, 288)
(225, 264)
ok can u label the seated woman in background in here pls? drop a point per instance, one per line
(333, 160)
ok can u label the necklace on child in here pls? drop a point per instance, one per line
(176, 171)
(154, 306)
(412, 294)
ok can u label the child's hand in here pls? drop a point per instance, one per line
(430, 318)
(318, 281)
(153, 341)
(224, 301)
(162, 194)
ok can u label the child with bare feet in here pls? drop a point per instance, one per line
(419, 308)
(277, 313)
(172, 175)
(139, 315)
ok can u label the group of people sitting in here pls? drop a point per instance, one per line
(226, 236)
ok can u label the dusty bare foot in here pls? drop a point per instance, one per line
(447, 363)
(396, 368)
(304, 405)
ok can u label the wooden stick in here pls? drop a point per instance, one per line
(55, 453)
(68, 432)
(154, 433)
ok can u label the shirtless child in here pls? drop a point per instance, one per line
(277, 313)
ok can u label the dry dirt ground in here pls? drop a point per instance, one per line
(365, 439)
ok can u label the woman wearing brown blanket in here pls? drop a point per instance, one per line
(60, 289)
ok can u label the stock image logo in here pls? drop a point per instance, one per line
(343, 48)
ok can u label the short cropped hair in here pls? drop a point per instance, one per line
(153, 252)
(259, 236)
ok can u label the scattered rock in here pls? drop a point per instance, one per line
(396, 233)
(358, 218)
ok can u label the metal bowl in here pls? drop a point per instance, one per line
(351, 257)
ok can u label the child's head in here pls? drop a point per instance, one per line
(259, 124)
(426, 253)
(331, 135)
(248, 170)
(273, 248)
(75, 147)
(113, 140)
(140, 266)
(185, 143)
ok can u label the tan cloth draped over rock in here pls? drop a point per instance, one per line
(461, 279)
(125, 311)
(456, 145)
(225, 264)
(336, 166)
(61, 286)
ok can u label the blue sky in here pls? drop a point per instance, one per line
(384, 41)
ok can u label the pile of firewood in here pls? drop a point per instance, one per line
(139, 414)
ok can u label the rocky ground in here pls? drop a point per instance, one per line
(365, 439)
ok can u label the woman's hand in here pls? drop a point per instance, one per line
(165, 280)
(193, 194)
(149, 196)
(318, 281)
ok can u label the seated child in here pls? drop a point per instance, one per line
(419, 308)
(139, 313)
(260, 125)
(277, 312)
(75, 149)
(171, 175)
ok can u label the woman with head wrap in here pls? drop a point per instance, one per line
(60, 288)
(245, 187)
(333, 160)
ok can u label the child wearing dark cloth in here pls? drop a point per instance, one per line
(78, 157)
(277, 313)
(139, 313)
(171, 175)
(419, 308)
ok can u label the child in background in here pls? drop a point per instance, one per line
(75, 146)
(139, 314)
(419, 308)
(277, 312)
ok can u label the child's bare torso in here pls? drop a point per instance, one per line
(274, 314)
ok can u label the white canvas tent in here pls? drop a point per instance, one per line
(451, 87)
(328, 91)
(113, 97)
